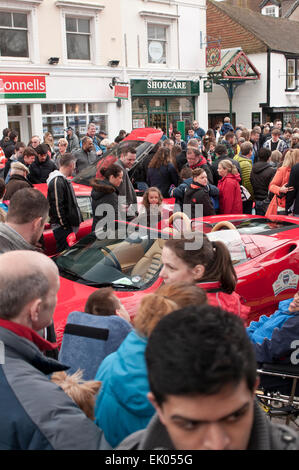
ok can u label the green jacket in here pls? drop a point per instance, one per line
(246, 167)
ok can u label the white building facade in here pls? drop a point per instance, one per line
(60, 60)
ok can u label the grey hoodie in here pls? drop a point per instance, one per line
(11, 240)
(264, 436)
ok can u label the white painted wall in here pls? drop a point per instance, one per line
(279, 97)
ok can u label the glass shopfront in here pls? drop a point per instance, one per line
(160, 103)
(56, 117)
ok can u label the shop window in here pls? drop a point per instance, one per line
(13, 34)
(75, 108)
(139, 105)
(156, 43)
(52, 108)
(78, 38)
(97, 108)
(14, 110)
(58, 116)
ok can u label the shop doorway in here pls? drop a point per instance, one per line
(16, 126)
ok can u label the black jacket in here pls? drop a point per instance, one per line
(64, 209)
(293, 196)
(102, 193)
(163, 178)
(39, 171)
(260, 178)
(199, 194)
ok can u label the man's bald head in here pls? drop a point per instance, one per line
(25, 277)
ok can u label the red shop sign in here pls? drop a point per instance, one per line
(22, 86)
(121, 91)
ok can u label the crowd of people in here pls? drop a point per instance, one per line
(181, 374)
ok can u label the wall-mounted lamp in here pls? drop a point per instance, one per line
(113, 63)
(53, 60)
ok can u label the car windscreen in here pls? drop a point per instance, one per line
(233, 241)
(88, 173)
(126, 263)
(250, 225)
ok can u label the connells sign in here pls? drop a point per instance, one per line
(22, 86)
(164, 87)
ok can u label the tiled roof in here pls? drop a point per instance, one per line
(279, 34)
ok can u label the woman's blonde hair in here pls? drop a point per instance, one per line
(63, 141)
(291, 158)
(229, 166)
(169, 297)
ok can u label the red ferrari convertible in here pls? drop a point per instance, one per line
(143, 140)
(265, 254)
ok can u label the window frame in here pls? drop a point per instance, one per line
(170, 21)
(296, 72)
(28, 7)
(79, 33)
(89, 11)
(165, 41)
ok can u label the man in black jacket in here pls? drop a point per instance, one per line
(261, 175)
(65, 215)
(42, 166)
(293, 195)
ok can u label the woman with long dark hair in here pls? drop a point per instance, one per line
(106, 192)
(161, 172)
(209, 262)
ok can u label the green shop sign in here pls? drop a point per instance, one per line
(164, 87)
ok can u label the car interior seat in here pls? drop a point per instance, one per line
(88, 339)
(151, 262)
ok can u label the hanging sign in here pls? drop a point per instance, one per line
(121, 92)
(207, 86)
(213, 55)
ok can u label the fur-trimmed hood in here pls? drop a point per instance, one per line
(102, 187)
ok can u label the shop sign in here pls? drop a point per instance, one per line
(164, 87)
(121, 92)
(208, 86)
(22, 86)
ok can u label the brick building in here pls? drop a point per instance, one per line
(272, 45)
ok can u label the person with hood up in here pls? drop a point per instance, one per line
(261, 175)
(230, 200)
(65, 215)
(105, 192)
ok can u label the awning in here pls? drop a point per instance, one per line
(234, 65)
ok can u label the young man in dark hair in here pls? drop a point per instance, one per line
(126, 161)
(26, 218)
(42, 166)
(202, 375)
(65, 215)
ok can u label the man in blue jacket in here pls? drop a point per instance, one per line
(272, 338)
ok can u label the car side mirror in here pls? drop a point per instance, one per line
(71, 239)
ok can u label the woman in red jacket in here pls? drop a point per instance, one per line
(230, 201)
(206, 261)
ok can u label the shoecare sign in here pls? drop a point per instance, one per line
(22, 86)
